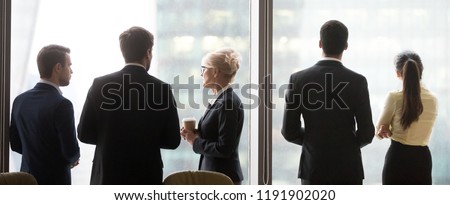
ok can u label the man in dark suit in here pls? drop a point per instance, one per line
(42, 121)
(130, 115)
(330, 98)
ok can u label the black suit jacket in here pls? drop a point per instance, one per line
(129, 115)
(43, 131)
(220, 131)
(330, 98)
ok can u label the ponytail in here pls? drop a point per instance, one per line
(412, 102)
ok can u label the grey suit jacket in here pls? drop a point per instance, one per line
(220, 132)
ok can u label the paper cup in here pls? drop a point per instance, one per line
(189, 123)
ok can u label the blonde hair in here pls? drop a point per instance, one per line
(226, 60)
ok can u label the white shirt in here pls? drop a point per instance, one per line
(331, 59)
(418, 134)
(212, 101)
(136, 64)
(52, 84)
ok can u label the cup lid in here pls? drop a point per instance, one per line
(188, 119)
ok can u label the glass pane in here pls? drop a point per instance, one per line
(187, 30)
(378, 30)
(184, 31)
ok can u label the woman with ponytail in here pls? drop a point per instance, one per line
(408, 118)
(219, 130)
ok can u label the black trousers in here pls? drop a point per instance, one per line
(407, 165)
(333, 182)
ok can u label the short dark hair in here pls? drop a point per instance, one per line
(334, 36)
(48, 57)
(134, 43)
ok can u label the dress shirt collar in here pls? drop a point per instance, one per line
(136, 64)
(52, 84)
(331, 59)
(212, 101)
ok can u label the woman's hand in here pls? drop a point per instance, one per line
(384, 132)
(188, 135)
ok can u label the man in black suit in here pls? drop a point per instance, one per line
(130, 115)
(42, 122)
(330, 98)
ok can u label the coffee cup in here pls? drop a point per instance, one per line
(189, 123)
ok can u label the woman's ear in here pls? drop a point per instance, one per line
(216, 73)
(399, 74)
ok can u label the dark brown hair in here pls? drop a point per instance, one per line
(334, 36)
(410, 66)
(48, 57)
(134, 43)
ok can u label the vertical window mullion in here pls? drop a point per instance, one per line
(261, 118)
(5, 45)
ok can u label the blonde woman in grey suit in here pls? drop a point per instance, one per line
(219, 129)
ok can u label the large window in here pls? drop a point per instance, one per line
(184, 31)
(378, 30)
(187, 30)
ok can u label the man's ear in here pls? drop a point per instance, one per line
(149, 52)
(57, 67)
(320, 44)
(346, 46)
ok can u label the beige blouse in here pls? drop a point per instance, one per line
(418, 134)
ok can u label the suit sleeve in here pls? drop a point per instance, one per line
(292, 129)
(65, 125)
(228, 136)
(363, 115)
(171, 138)
(87, 126)
(16, 143)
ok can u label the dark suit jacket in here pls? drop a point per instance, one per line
(220, 131)
(43, 131)
(130, 115)
(330, 98)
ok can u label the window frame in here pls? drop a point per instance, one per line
(5, 48)
(261, 118)
(260, 141)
